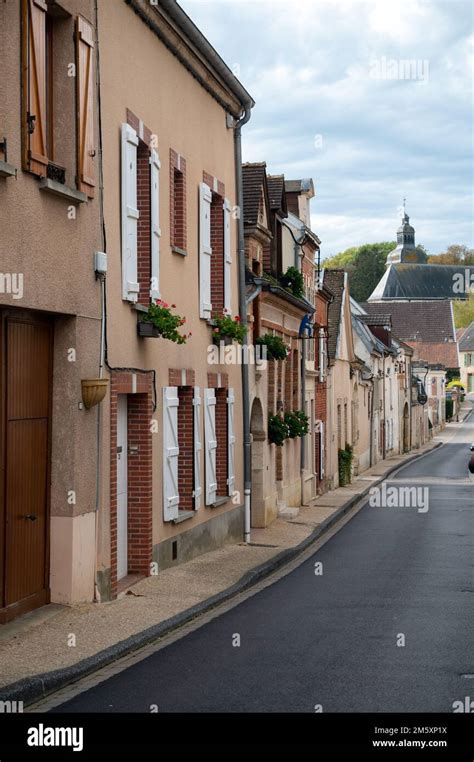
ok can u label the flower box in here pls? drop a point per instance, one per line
(147, 329)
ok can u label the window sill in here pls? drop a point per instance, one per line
(57, 189)
(219, 501)
(177, 250)
(183, 516)
(7, 170)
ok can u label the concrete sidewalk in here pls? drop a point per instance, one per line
(56, 645)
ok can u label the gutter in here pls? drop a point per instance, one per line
(202, 45)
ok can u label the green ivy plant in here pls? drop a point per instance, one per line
(226, 326)
(345, 465)
(293, 281)
(275, 346)
(160, 315)
(277, 430)
(297, 423)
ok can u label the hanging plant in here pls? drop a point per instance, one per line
(275, 346)
(293, 281)
(298, 424)
(277, 430)
(162, 322)
(228, 328)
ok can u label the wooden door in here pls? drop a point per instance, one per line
(24, 508)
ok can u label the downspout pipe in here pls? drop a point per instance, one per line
(243, 317)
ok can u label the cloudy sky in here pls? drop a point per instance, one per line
(373, 99)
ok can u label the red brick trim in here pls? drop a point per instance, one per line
(138, 387)
(144, 223)
(217, 380)
(143, 132)
(216, 186)
(186, 448)
(181, 377)
(178, 208)
(221, 436)
(217, 256)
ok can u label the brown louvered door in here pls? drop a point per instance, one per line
(27, 355)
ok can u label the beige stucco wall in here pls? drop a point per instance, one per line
(152, 83)
(466, 370)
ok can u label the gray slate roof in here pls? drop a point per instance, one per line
(467, 340)
(416, 281)
(417, 321)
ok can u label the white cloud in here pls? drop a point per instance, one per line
(307, 65)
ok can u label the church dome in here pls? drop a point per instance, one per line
(406, 250)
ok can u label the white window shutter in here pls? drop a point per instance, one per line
(130, 287)
(230, 442)
(227, 258)
(205, 251)
(210, 444)
(170, 453)
(155, 231)
(197, 448)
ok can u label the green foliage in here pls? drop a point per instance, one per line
(345, 458)
(342, 260)
(293, 281)
(455, 254)
(276, 347)
(277, 430)
(463, 311)
(227, 326)
(365, 266)
(297, 423)
(160, 315)
(449, 409)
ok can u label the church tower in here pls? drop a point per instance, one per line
(406, 251)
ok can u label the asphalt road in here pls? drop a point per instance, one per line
(335, 639)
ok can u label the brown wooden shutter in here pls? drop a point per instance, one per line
(85, 106)
(34, 86)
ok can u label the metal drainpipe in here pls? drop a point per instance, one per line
(384, 451)
(371, 433)
(243, 317)
(303, 401)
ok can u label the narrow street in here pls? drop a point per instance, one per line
(334, 639)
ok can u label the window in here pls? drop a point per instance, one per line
(181, 450)
(140, 219)
(178, 223)
(219, 443)
(46, 105)
(186, 448)
(215, 255)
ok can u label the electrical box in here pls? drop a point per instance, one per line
(100, 262)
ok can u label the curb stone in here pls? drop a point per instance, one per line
(32, 689)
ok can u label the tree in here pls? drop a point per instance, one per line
(456, 254)
(365, 266)
(463, 312)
